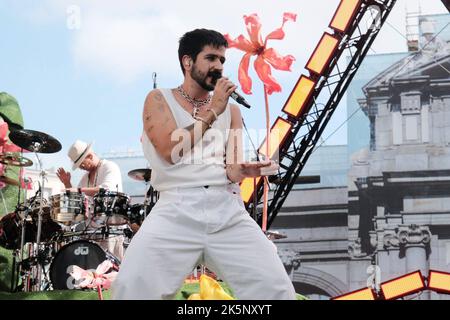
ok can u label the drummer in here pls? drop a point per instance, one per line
(101, 174)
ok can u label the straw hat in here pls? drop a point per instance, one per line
(78, 152)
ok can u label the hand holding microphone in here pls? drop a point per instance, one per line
(222, 91)
(217, 76)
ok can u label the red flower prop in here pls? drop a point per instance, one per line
(267, 57)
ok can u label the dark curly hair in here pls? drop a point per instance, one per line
(193, 42)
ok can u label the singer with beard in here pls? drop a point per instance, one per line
(193, 140)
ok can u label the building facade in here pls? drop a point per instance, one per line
(393, 214)
(399, 191)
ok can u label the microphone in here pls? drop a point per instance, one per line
(154, 80)
(239, 99)
(236, 96)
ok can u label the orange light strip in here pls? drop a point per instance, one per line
(362, 294)
(322, 54)
(248, 187)
(344, 14)
(278, 134)
(439, 281)
(299, 97)
(403, 285)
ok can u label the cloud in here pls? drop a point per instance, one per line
(126, 47)
(125, 41)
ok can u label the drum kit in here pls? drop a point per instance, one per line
(140, 211)
(49, 236)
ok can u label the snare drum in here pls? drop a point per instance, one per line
(68, 208)
(112, 207)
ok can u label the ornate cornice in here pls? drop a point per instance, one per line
(414, 235)
(290, 258)
(404, 236)
(355, 250)
(390, 240)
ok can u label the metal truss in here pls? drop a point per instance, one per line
(328, 92)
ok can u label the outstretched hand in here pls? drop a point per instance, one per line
(65, 177)
(258, 169)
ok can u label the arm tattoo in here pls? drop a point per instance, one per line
(160, 107)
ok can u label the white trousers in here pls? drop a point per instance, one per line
(208, 226)
(113, 245)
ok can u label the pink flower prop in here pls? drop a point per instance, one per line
(266, 57)
(5, 145)
(99, 279)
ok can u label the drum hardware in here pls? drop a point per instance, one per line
(137, 214)
(34, 268)
(112, 207)
(13, 222)
(39, 243)
(15, 159)
(140, 174)
(128, 233)
(26, 210)
(43, 175)
(145, 176)
(37, 142)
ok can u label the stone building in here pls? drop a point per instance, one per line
(399, 190)
(393, 217)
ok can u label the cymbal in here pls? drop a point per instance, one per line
(35, 141)
(140, 174)
(15, 159)
(9, 181)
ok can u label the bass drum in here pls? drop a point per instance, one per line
(82, 253)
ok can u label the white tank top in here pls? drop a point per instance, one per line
(203, 165)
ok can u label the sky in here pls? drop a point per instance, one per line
(81, 69)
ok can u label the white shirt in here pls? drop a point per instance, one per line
(107, 176)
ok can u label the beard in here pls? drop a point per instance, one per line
(200, 77)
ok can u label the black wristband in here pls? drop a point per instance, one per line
(79, 190)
